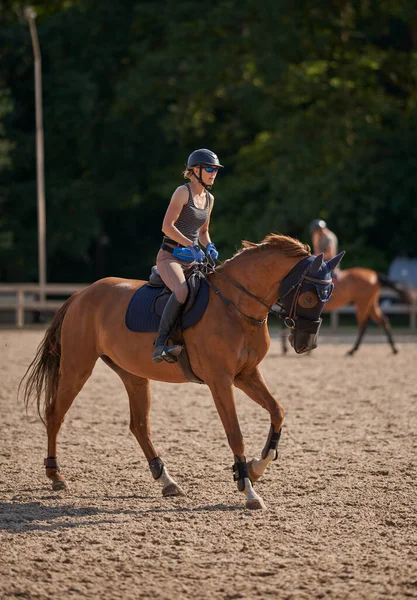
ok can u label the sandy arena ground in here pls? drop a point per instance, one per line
(342, 510)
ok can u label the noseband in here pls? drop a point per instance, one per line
(289, 320)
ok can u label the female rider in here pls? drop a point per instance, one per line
(185, 226)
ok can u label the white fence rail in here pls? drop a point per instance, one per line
(387, 307)
(394, 309)
(21, 297)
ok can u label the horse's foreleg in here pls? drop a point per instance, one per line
(223, 396)
(363, 325)
(254, 386)
(138, 390)
(363, 312)
(257, 466)
(161, 475)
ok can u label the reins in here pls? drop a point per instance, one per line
(211, 269)
(288, 320)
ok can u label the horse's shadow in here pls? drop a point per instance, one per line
(36, 516)
(184, 509)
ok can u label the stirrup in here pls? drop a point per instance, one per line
(173, 350)
(169, 354)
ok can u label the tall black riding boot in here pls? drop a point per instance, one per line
(171, 312)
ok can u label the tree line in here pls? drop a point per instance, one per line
(311, 106)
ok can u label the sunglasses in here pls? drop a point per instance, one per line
(211, 169)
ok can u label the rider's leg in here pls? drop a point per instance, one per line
(173, 276)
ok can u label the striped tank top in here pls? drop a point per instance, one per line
(191, 219)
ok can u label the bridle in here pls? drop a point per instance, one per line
(288, 320)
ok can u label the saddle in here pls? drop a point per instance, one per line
(194, 278)
(148, 302)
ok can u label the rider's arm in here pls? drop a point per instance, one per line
(204, 235)
(178, 201)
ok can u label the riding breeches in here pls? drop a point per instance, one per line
(171, 271)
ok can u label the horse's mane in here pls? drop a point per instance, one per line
(290, 247)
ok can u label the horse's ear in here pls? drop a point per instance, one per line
(316, 264)
(333, 262)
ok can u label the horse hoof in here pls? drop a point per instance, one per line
(256, 504)
(252, 475)
(59, 486)
(172, 490)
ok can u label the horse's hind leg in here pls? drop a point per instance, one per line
(380, 319)
(254, 386)
(74, 373)
(138, 390)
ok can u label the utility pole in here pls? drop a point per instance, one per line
(30, 15)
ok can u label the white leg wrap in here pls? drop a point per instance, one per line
(253, 500)
(259, 464)
(165, 479)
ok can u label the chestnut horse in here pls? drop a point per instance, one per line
(362, 287)
(225, 347)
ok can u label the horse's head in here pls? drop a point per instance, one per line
(302, 295)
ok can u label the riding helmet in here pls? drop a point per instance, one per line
(317, 224)
(203, 157)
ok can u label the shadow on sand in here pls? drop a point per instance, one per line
(36, 516)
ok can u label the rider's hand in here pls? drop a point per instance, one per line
(184, 254)
(211, 251)
(198, 254)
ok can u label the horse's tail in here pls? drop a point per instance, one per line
(42, 375)
(406, 296)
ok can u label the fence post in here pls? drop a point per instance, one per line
(413, 310)
(20, 310)
(334, 320)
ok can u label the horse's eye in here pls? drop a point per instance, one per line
(308, 300)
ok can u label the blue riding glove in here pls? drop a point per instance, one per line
(184, 254)
(212, 251)
(189, 254)
(198, 254)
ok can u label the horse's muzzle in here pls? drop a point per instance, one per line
(303, 337)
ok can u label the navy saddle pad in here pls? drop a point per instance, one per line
(147, 304)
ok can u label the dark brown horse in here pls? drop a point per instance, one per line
(225, 348)
(362, 287)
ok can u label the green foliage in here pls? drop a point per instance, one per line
(311, 107)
